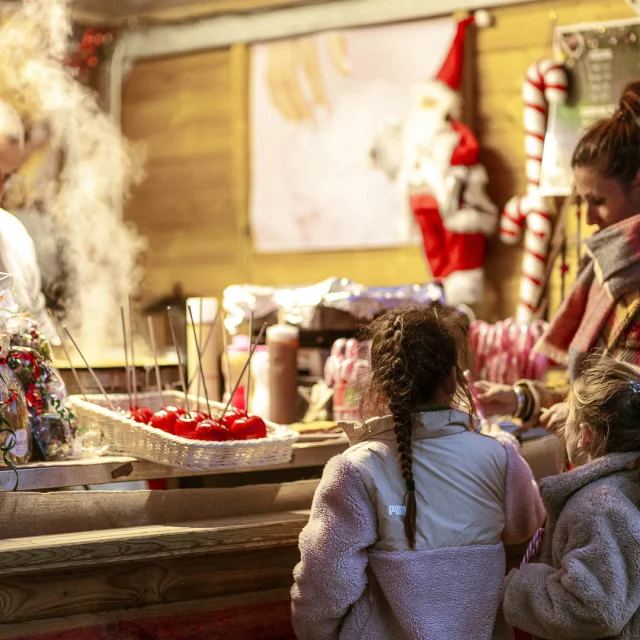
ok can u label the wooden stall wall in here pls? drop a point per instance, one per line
(192, 113)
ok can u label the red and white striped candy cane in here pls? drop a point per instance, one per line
(534, 547)
(545, 83)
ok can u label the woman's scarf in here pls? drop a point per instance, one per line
(611, 271)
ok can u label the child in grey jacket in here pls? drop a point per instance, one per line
(585, 580)
(406, 534)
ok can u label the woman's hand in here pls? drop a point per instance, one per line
(555, 417)
(497, 399)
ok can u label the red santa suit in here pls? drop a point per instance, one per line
(448, 251)
(442, 181)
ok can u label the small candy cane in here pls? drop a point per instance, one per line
(474, 393)
(534, 547)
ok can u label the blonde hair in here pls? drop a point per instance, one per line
(606, 398)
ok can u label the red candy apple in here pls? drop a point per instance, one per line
(248, 428)
(185, 427)
(198, 416)
(145, 414)
(213, 430)
(231, 416)
(163, 420)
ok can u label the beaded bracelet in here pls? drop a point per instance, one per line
(532, 404)
(520, 400)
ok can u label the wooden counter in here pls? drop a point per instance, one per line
(103, 470)
(197, 564)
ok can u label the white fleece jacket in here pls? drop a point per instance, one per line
(357, 577)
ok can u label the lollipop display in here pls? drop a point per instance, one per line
(504, 351)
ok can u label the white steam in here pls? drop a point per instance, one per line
(99, 251)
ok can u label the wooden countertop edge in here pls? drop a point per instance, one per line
(108, 469)
(36, 628)
(20, 556)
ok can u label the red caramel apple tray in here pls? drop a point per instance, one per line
(161, 430)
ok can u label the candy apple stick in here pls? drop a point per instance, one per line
(204, 384)
(152, 336)
(91, 371)
(180, 369)
(246, 365)
(126, 356)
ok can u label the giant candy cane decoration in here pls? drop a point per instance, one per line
(545, 83)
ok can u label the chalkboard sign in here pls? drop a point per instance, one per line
(600, 58)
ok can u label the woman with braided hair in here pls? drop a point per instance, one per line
(407, 527)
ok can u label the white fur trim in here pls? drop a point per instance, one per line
(464, 287)
(470, 220)
(482, 19)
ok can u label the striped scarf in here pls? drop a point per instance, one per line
(611, 271)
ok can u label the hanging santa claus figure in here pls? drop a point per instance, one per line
(433, 158)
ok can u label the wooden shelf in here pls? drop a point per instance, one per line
(107, 469)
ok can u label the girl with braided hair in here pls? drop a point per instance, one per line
(407, 527)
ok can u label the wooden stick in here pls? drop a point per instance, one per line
(91, 371)
(204, 384)
(248, 385)
(246, 364)
(199, 342)
(226, 354)
(206, 344)
(133, 356)
(180, 369)
(126, 356)
(152, 335)
(68, 357)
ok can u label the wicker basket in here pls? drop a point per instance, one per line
(123, 436)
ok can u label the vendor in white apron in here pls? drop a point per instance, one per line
(17, 251)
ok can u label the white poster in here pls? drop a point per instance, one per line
(317, 103)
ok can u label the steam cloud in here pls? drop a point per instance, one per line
(100, 252)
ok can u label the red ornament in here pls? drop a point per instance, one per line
(564, 268)
(92, 62)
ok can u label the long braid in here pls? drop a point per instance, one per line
(402, 429)
(399, 394)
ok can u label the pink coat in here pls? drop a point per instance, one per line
(358, 579)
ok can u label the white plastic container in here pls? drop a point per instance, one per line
(259, 401)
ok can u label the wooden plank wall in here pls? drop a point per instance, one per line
(192, 112)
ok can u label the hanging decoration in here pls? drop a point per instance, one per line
(89, 50)
(545, 83)
(440, 178)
